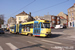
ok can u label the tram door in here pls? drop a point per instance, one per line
(15, 29)
(36, 28)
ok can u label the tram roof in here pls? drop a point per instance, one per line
(32, 22)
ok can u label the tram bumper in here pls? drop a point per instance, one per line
(46, 34)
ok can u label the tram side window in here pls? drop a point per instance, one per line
(35, 25)
(45, 25)
(31, 25)
(27, 27)
(23, 26)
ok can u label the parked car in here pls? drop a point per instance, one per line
(64, 26)
(52, 27)
(58, 26)
(1, 31)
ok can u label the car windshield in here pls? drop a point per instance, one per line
(45, 25)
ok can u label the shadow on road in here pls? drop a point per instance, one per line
(36, 45)
(51, 36)
(6, 35)
(57, 30)
(55, 35)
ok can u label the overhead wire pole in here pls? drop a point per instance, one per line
(50, 6)
(23, 7)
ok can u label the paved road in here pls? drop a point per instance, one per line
(57, 41)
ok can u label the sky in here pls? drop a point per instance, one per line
(10, 8)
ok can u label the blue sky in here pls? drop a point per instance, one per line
(9, 7)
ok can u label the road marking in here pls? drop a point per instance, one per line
(31, 42)
(51, 42)
(43, 42)
(1, 48)
(12, 46)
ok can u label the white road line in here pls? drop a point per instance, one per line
(31, 42)
(1, 48)
(12, 46)
(51, 42)
(43, 42)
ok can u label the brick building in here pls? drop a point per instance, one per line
(55, 20)
(71, 14)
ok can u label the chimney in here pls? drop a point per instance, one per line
(30, 13)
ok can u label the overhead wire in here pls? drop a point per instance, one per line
(50, 6)
(24, 7)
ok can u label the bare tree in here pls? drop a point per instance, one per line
(1, 19)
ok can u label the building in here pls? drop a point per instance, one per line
(23, 17)
(11, 21)
(63, 18)
(71, 14)
(55, 20)
(63, 21)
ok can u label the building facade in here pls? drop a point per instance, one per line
(71, 14)
(63, 18)
(11, 21)
(23, 17)
(55, 20)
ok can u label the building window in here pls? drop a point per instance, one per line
(53, 18)
(58, 18)
(69, 14)
(19, 18)
(72, 14)
(72, 9)
(72, 18)
(53, 21)
(58, 21)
